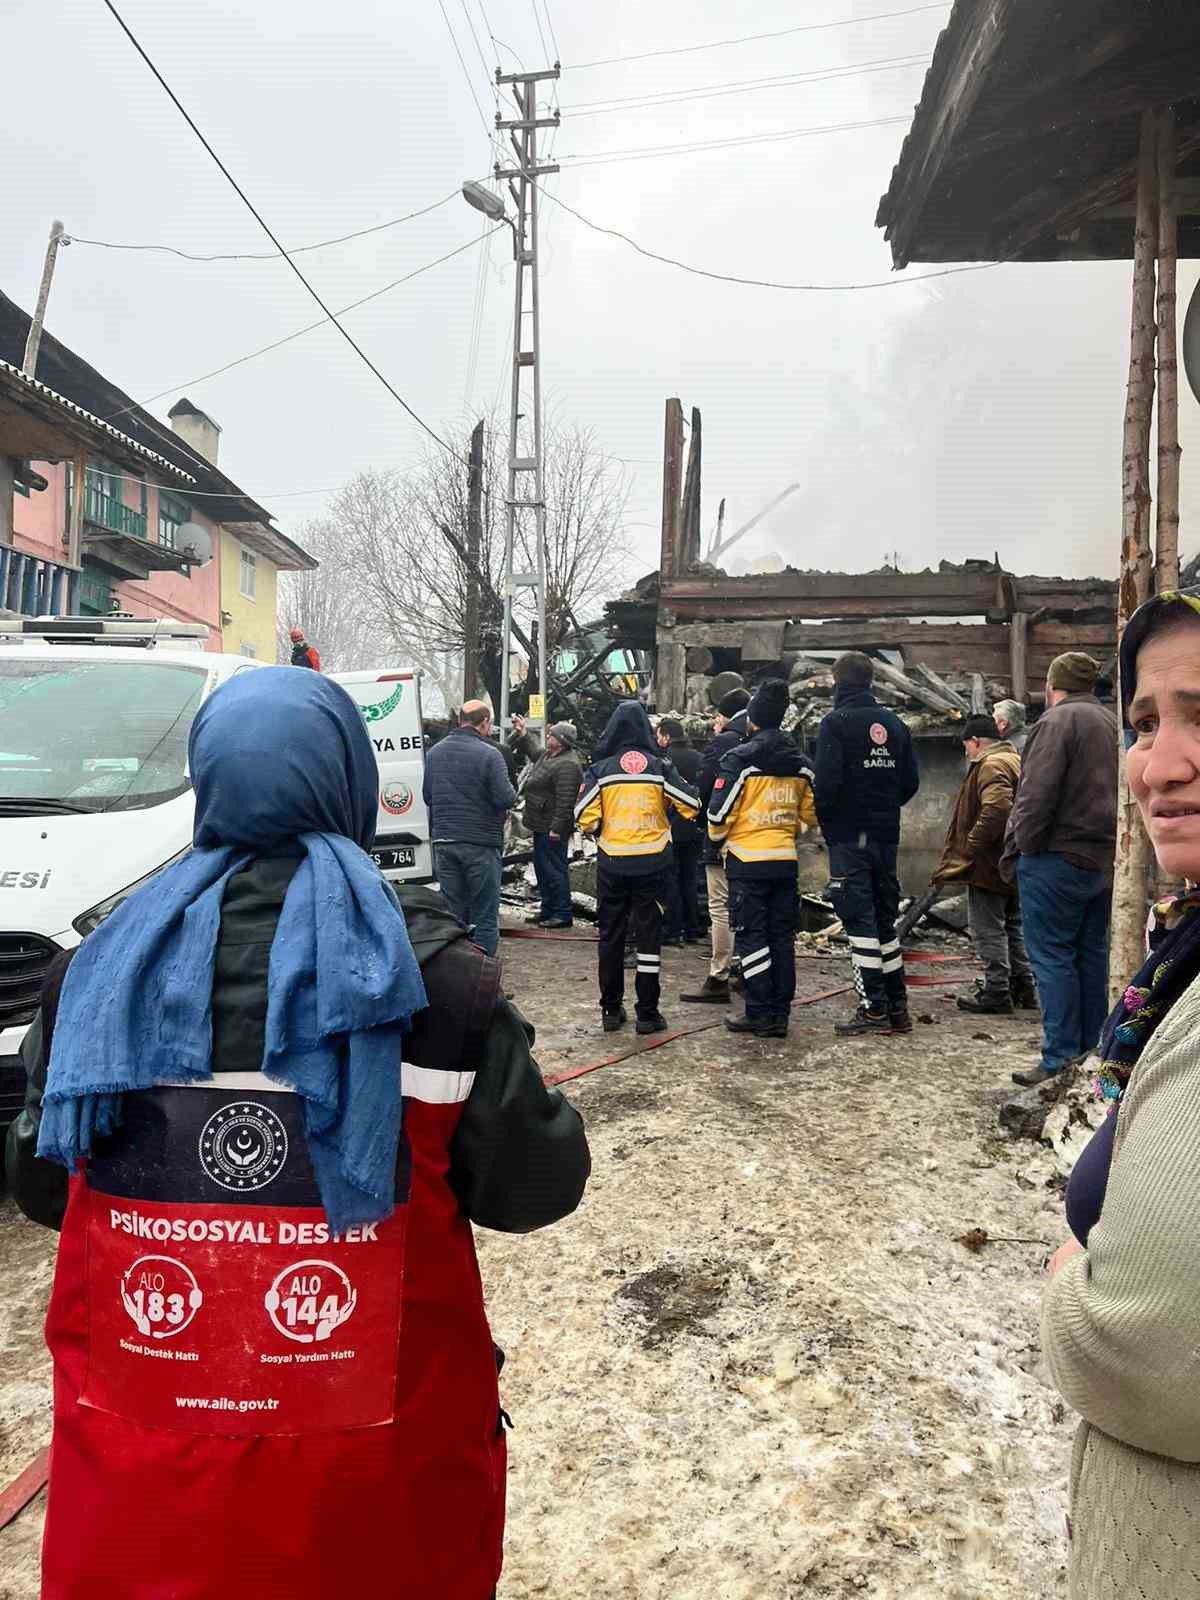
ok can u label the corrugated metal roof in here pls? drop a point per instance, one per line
(95, 422)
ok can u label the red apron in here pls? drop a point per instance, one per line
(249, 1406)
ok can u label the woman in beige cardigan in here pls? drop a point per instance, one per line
(1121, 1326)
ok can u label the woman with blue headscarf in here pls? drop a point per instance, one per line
(281, 1104)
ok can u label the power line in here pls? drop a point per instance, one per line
(470, 86)
(211, 494)
(288, 337)
(256, 214)
(789, 80)
(268, 255)
(763, 283)
(553, 31)
(641, 153)
(750, 38)
(538, 24)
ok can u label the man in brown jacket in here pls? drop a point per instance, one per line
(974, 842)
(1064, 827)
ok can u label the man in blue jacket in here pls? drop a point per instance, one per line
(468, 793)
(866, 770)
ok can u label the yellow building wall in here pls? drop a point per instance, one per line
(253, 621)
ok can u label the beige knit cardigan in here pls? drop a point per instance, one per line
(1121, 1333)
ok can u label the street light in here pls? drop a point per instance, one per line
(484, 200)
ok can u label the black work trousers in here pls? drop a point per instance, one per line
(683, 890)
(865, 892)
(625, 898)
(762, 914)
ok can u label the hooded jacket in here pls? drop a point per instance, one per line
(734, 733)
(975, 838)
(628, 794)
(761, 800)
(865, 769)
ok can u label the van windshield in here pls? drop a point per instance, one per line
(95, 735)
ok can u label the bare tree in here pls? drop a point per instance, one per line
(328, 604)
(389, 524)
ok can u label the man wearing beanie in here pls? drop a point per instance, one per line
(760, 801)
(866, 770)
(550, 790)
(729, 732)
(1064, 829)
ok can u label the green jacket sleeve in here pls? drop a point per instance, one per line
(519, 1159)
(38, 1187)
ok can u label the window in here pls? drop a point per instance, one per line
(249, 575)
(172, 514)
(250, 650)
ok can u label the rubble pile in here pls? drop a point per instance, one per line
(924, 701)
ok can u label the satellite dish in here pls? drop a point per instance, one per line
(195, 542)
(1191, 342)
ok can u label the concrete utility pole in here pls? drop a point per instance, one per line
(525, 469)
(32, 344)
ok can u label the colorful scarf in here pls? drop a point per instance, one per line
(1171, 966)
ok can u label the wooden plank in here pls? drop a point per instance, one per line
(915, 690)
(942, 687)
(1018, 646)
(973, 590)
(668, 562)
(979, 705)
(17, 1494)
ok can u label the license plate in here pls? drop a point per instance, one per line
(401, 856)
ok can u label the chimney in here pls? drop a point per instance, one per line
(196, 429)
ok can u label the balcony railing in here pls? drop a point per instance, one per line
(34, 587)
(105, 511)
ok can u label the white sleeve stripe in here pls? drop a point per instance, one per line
(723, 809)
(585, 800)
(434, 1087)
(859, 943)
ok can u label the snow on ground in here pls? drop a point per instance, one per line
(757, 1364)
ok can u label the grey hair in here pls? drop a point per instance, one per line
(1012, 711)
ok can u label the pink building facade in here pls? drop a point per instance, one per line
(127, 505)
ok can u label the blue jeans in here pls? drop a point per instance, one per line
(469, 878)
(553, 878)
(1065, 910)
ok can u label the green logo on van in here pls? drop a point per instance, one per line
(382, 708)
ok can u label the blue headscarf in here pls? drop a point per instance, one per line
(278, 759)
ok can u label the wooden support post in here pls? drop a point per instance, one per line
(1166, 549)
(689, 542)
(1131, 863)
(1018, 655)
(670, 673)
(74, 535)
(471, 615)
(668, 563)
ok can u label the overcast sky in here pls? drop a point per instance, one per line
(971, 414)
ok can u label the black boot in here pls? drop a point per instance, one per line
(656, 1023)
(1024, 995)
(863, 1022)
(777, 1028)
(758, 1026)
(614, 1020)
(713, 992)
(901, 1021)
(986, 1004)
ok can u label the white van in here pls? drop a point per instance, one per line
(95, 796)
(390, 703)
